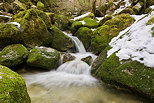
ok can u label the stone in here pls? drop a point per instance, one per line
(13, 55)
(43, 57)
(68, 57)
(88, 60)
(12, 87)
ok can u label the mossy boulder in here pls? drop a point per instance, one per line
(111, 28)
(151, 21)
(43, 57)
(9, 34)
(127, 11)
(12, 87)
(60, 41)
(62, 22)
(85, 35)
(14, 6)
(137, 8)
(127, 74)
(40, 5)
(86, 22)
(34, 28)
(13, 55)
(106, 18)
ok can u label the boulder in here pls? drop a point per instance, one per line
(60, 41)
(127, 74)
(13, 55)
(111, 28)
(106, 18)
(43, 57)
(9, 34)
(62, 22)
(88, 60)
(12, 87)
(33, 25)
(85, 35)
(68, 57)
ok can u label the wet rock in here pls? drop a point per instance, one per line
(88, 60)
(13, 55)
(108, 30)
(12, 87)
(85, 35)
(127, 74)
(68, 57)
(43, 57)
(60, 41)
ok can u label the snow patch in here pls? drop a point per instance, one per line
(6, 16)
(81, 16)
(0, 77)
(16, 24)
(83, 22)
(135, 42)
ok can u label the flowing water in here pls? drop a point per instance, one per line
(73, 83)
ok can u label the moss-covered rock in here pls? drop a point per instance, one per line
(34, 28)
(85, 35)
(127, 11)
(88, 60)
(137, 8)
(106, 18)
(60, 41)
(14, 6)
(75, 26)
(13, 55)
(40, 5)
(151, 21)
(9, 34)
(12, 87)
(62, 22)
(108, 30)
(46, 58)
(127, 74)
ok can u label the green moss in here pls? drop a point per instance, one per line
(34, 24)
(75, 26)
(13, 55)
(60, 41)
(12, 87)
(127, 11)
(151, 21)
(46, 58)
(9, 34)
(108, 30)
(90, 23)
(127, 74)
(106, 18)
(62, 22)
(40, 5)
(85, 34)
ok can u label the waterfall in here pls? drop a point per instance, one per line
(78, 44)
(73, 73)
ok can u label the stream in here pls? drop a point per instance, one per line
(72, 82)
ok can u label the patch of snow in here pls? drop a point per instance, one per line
(122, 7)
(93, 29)
(0, 77)
(99, 18)
(16, 24)
(81, 16)
(6, 16)
(83, 22)
(138, 17)
(152, 7)
(50, 50)
(135, 43)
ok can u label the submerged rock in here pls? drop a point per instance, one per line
(88, 60)
(43, 57)
(110, 29)
(12, 87)
(68, 57)
(13, 55)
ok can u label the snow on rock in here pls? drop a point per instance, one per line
(16, 24)
(135, 42)
(81, 16)
(83, 22)
(6, 16)
(0, 77)
(122, 7)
